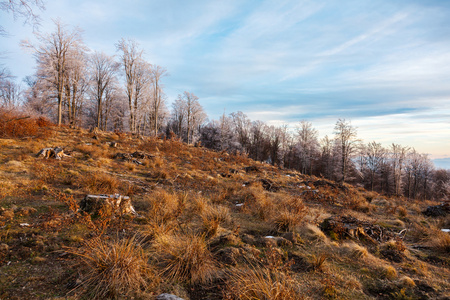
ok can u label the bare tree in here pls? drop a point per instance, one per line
(130, 57)
(10, 94)
(241, 126)
(104, 70)
(76, 84)
(141, 89)
(307, 146)
(53, 56)
(157, 100)
(187, 115)
(345, 135)
(398, 155)
(374, 158)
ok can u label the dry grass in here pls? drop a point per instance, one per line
(440, 241)
(354, 250)
(388, 272)
(162, 207)
(115, 268)
(184, 258)
(261, 283)
(291, 212)
(99, 183)
(257, 203)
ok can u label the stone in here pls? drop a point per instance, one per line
(166, 296)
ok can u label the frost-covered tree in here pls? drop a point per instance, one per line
(307, 146)
(103, 78)
(346, 137)
(130, 57)
(55, 56)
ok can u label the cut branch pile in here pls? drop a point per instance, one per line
(350, 227)
(133, 157)
(114, 204)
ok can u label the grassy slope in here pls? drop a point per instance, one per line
(193, 240)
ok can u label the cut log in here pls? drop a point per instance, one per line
(114, 204)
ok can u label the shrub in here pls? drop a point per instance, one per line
(115, 268)
(15, 124)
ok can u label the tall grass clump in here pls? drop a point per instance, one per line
(261, 283)
(115, 268)
(184, 258)
(99, 183)
(291, 214)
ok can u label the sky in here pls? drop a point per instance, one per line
(383, 65)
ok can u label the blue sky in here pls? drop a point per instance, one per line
(383, 64)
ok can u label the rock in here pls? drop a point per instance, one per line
(114, 204)
(166, 296)
(276, 241)
(441, 210)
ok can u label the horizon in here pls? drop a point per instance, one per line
(383, 66)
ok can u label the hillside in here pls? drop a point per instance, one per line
(208, 225)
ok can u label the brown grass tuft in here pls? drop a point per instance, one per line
(261, 283)
(115, 268)
(185, 258)
(99, 183)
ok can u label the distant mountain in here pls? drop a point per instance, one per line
(443, 163)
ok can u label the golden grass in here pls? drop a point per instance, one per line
(354, 250)
(115, 268)
(99, 183)
(261, 283)
(184, 258)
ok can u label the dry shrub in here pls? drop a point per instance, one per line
(185, 258)
(15, 124)
(261, 283)
(115, 268)
(99, 183)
